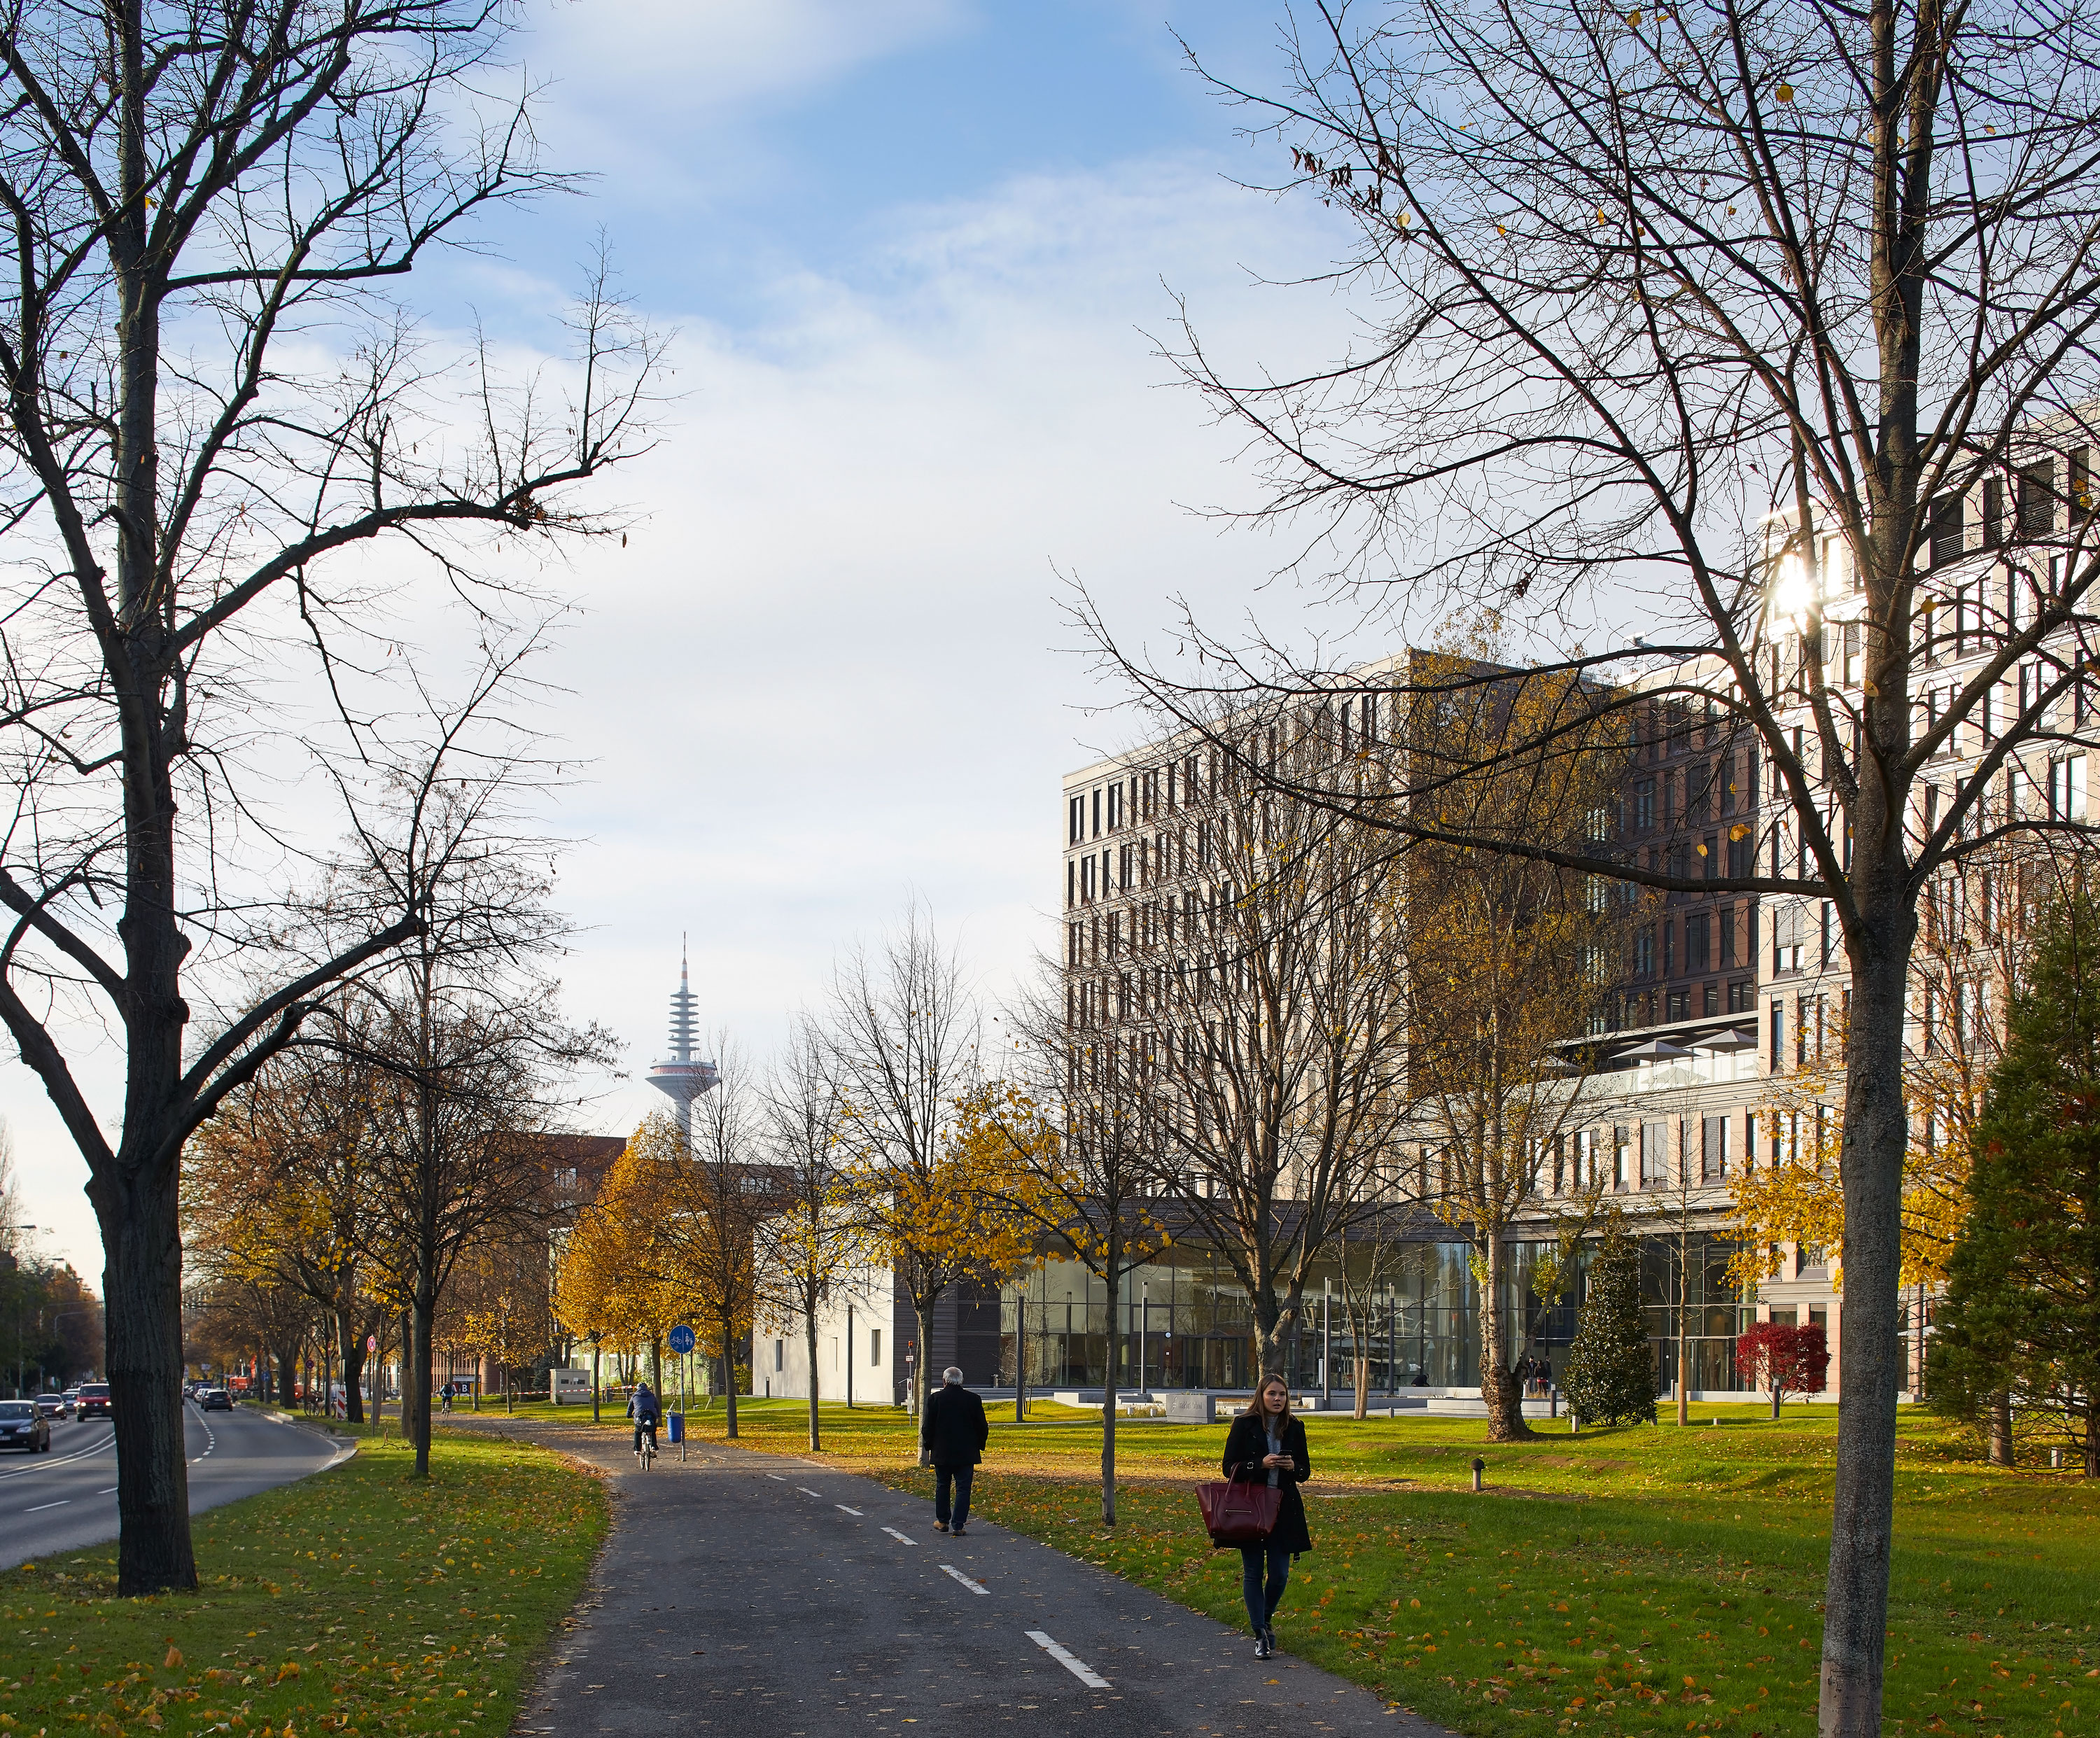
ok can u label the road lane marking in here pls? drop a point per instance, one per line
(849, 1511)
(949, 1569)
(109, 1490)
(776, 1477)
(41, 1507)
(1064, 1656)
(44, 1466)
(905, 1537)
(807, 1492)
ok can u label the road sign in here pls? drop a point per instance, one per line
(682, 1339)
(372, 1343)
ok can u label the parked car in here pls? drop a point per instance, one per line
(218, 1400)
(94, 1399)
(23, 1427)
(50, 1405)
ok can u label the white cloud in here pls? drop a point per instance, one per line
(828, 673)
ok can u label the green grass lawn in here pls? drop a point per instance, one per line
(1636, 1580)
(357, 1600)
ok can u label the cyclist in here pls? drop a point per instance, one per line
(643, 1409)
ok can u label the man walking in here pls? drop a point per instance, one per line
(953, 1431)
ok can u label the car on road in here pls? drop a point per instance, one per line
(94, 1399)
(217, 1400)
(23, 1427)
(50, 1405)
(72, 1402)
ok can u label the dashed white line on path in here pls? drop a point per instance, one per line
(1064, 1656)
(849, 1511)
(107, 1490)
(949, 1569)
(776, 1477)
(904, 1538)
(807, 1492)
(41, 1507)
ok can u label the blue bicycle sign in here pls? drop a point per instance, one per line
(682, 1339)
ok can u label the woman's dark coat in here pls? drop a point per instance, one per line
(1245, 1442)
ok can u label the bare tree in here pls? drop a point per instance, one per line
(210, 397)
(1260, 969)
(716, 1192)
(1765, 328)
(902, 1031)
(1078, 1114)
(808, 1241)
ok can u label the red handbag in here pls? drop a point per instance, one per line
(1237, 1514)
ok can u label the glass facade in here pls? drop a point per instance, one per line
(1186, 1321)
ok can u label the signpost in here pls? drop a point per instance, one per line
(372, 1380)
(683, 1339)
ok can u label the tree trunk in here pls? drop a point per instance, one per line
(2001, 1429)
(809, 1341)
(1362, 1367)
(288, 1375)
(1499, 1387)
(1870, 1352)
(921, 1377)
(142, 1298)
(1777, 1395)
(1683, 1359)
(1267, 1340)
(351, 1348)
(728, 1343)
(1114, 1281)
(415, 1367)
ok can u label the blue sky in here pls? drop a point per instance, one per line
(912, 250)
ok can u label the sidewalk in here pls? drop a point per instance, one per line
(774, 1597)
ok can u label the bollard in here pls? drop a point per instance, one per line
(1479, 1466)
(1574, 1423)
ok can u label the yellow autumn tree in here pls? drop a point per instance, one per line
(610, 1286)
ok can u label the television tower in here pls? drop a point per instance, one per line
(681, 1077)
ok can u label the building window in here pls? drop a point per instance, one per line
(1944, 525)
(780, 1354)
(2038, 499)
(1711, 998)
(1742, 997)
(1778, 1048)
(1654, 1154)
(1680, 1004)
(1115, 807)
(1644, 953)
(1698, 940)
(1713, 1148)
(1643, 812)
(1669, 948)
(1079, 807)
(2066, 789)
(1994, 513)
(874, 1345)
(1097, 812)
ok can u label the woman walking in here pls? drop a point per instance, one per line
(1266, 1446)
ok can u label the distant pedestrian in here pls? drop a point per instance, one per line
(953, 1432)
(445, 1397)
(1266, 1445)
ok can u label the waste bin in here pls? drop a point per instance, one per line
(675, 1423)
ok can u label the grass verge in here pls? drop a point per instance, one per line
(1644, 1581)
(357, 1600)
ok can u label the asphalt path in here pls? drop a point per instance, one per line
(764, 1597)
(67, 1500)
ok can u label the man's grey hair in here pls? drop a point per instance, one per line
(952, 1375)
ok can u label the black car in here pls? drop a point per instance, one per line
(94, 1399)
(217, 1400)
(23, 1427)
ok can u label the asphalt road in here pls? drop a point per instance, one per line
(66, 1499)
(762, 1597)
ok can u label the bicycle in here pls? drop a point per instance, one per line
(645, 1449)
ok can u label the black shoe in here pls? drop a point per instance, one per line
(1265, 1645)
(957, 1532)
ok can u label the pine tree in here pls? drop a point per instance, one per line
(2022, 1313)
(1610, 1369)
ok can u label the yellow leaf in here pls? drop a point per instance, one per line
(173, 1662)
(1784, 93)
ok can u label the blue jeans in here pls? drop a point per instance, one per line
(962, 1477)
(1262, 1599)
